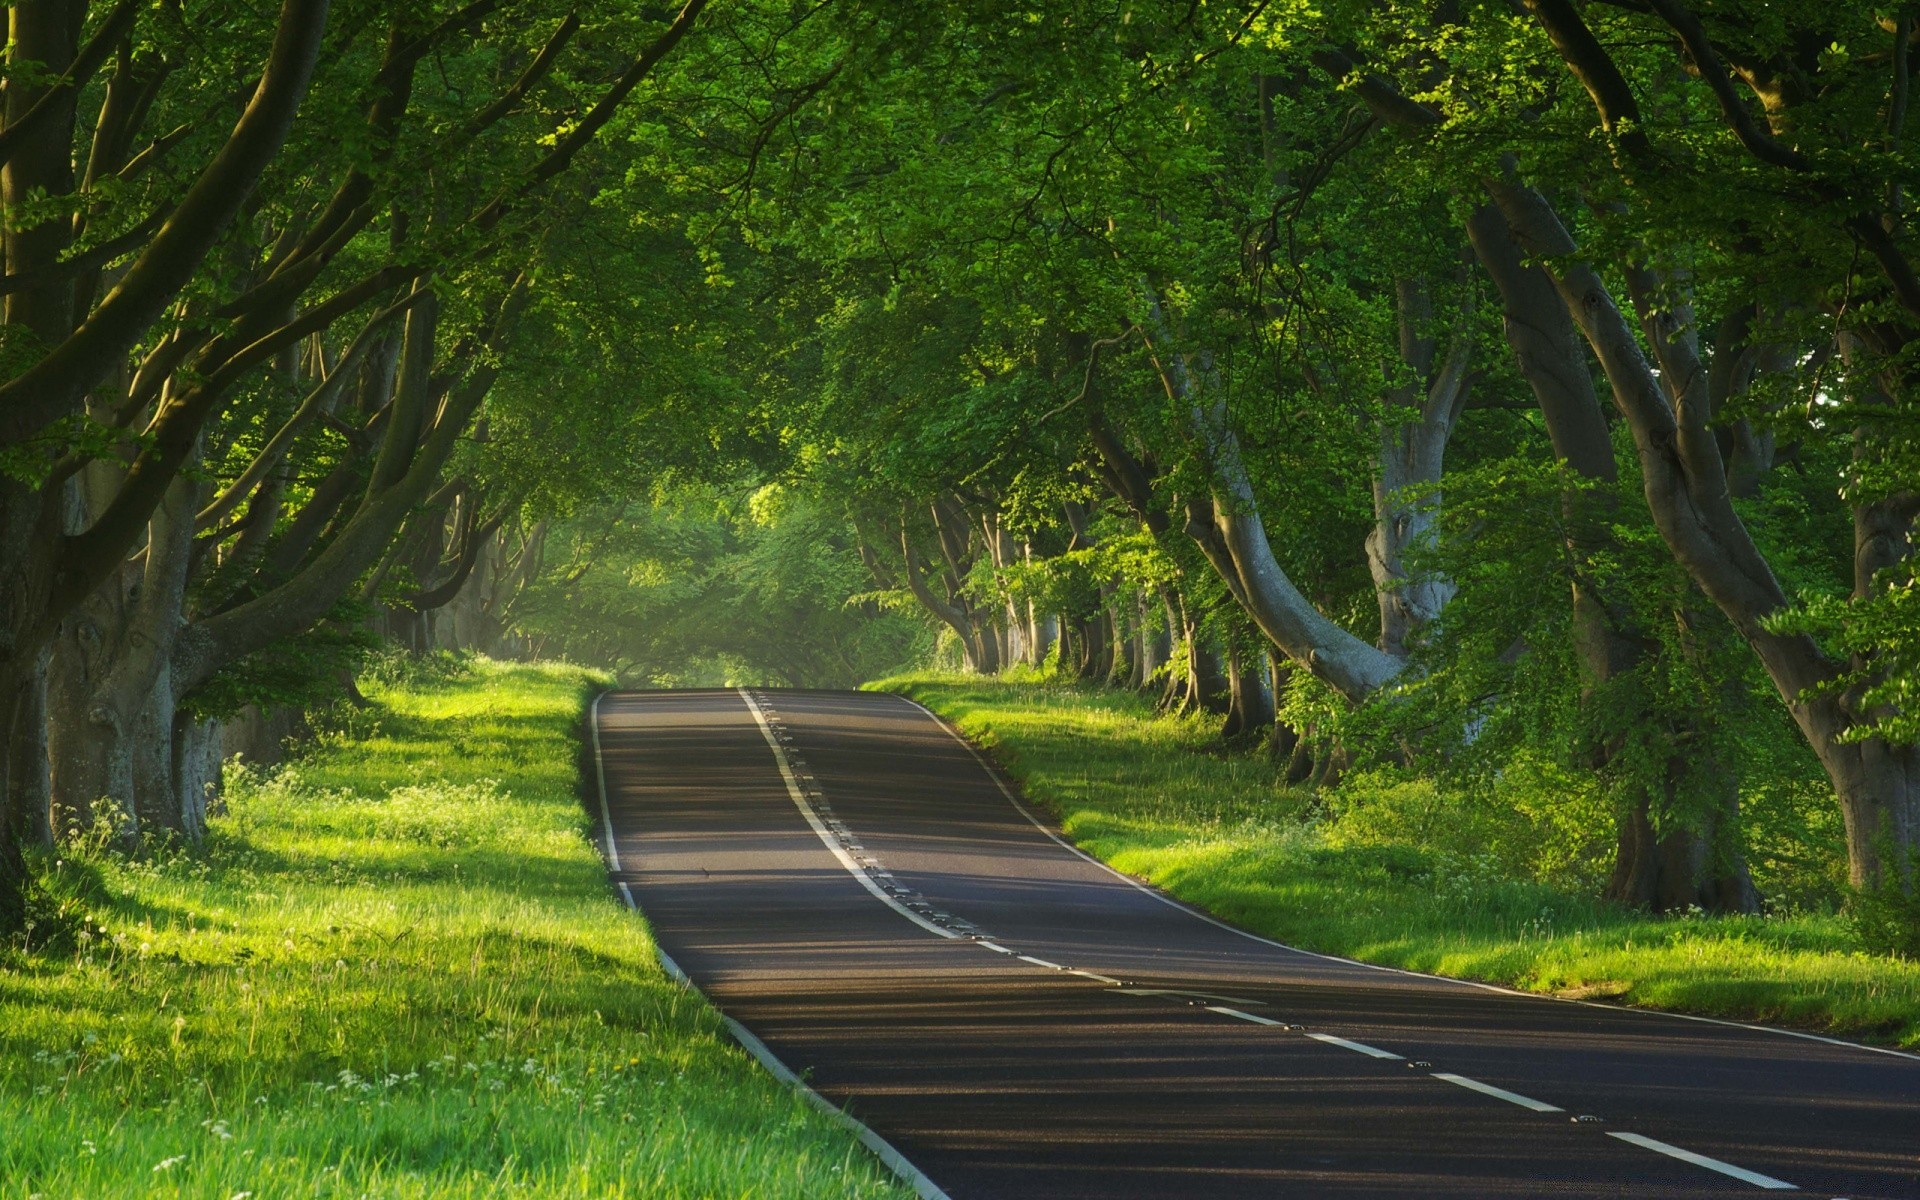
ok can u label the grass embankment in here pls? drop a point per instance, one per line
(1155, 797)
(395, 970)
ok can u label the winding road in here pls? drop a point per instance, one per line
(850, 882)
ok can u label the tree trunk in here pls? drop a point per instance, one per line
(1686, 865)
(1119, 642)
(1155, 643)
(1211, 689)
(1250, 706)
(195, 778)
(1284, 738)
(1688, 493)
(1093, 655)
(15, 710)
(1420, 416)
(1174, 689)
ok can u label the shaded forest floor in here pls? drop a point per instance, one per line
(394, 970)
(1155, 797)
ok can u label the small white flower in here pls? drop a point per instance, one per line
(168, 1164)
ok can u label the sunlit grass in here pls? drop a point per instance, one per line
(1156, 797)
(394, 971)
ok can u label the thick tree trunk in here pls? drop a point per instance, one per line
(24, 770)
(1687, 491)
(1174, 688)
(194, 781)
(13, 821)
(1095, 656)
(1250, 705)
(1687, 866)
(109, 662)
(1879, 789)
(1046, 634)
(1156, 643)
(1120, 644)
(1697, 864)
(1411, 456)
(1282, 742)
(154, 798)
(1207, 674)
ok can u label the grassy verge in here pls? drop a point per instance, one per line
(395, 970)
(1152, 796)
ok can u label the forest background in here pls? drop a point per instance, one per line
(1511, 401)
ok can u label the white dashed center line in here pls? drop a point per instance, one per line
(1358, 1047)
(844, 845)
(1700, 1160)
(1487, 1089)
(1244, 1016)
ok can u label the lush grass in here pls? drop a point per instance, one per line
(1156, 797)
(394, 971)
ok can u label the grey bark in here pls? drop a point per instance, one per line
(1687, 488)
(1684, 863)
(1420, 414)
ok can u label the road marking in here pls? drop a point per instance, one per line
(1487, 1089)
(1359, 1047)
(1095, 976)
(825, 835)
(1191, 995)
(600, 772)
(898, 1163)
(1039, 962)
(1256, 1018)
(1712, 1164)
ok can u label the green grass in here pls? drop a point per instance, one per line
(395, 970)
(1155, 797)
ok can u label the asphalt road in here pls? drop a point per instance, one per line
(848, 880)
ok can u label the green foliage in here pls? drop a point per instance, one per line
(1879, 634)
(706, 586)
(295, 672)
(1887, 918)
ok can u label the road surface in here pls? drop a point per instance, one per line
(847, 879)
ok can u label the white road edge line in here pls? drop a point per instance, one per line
(882, 1149)
(1700, 1160)
(825, 835)
(600, 772)
(1170, 902)
(1487, 1089)
(1360, 1047)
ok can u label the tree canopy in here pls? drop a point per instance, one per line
(1459, 389)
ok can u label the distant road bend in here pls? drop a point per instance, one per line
(843, 876)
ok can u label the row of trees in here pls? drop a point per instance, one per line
(269, 281)
(1498, 379)
(1445, 387)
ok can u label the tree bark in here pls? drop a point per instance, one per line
(1420, 417)
(1687, 489)
(1249, 705)
(1685, 863)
